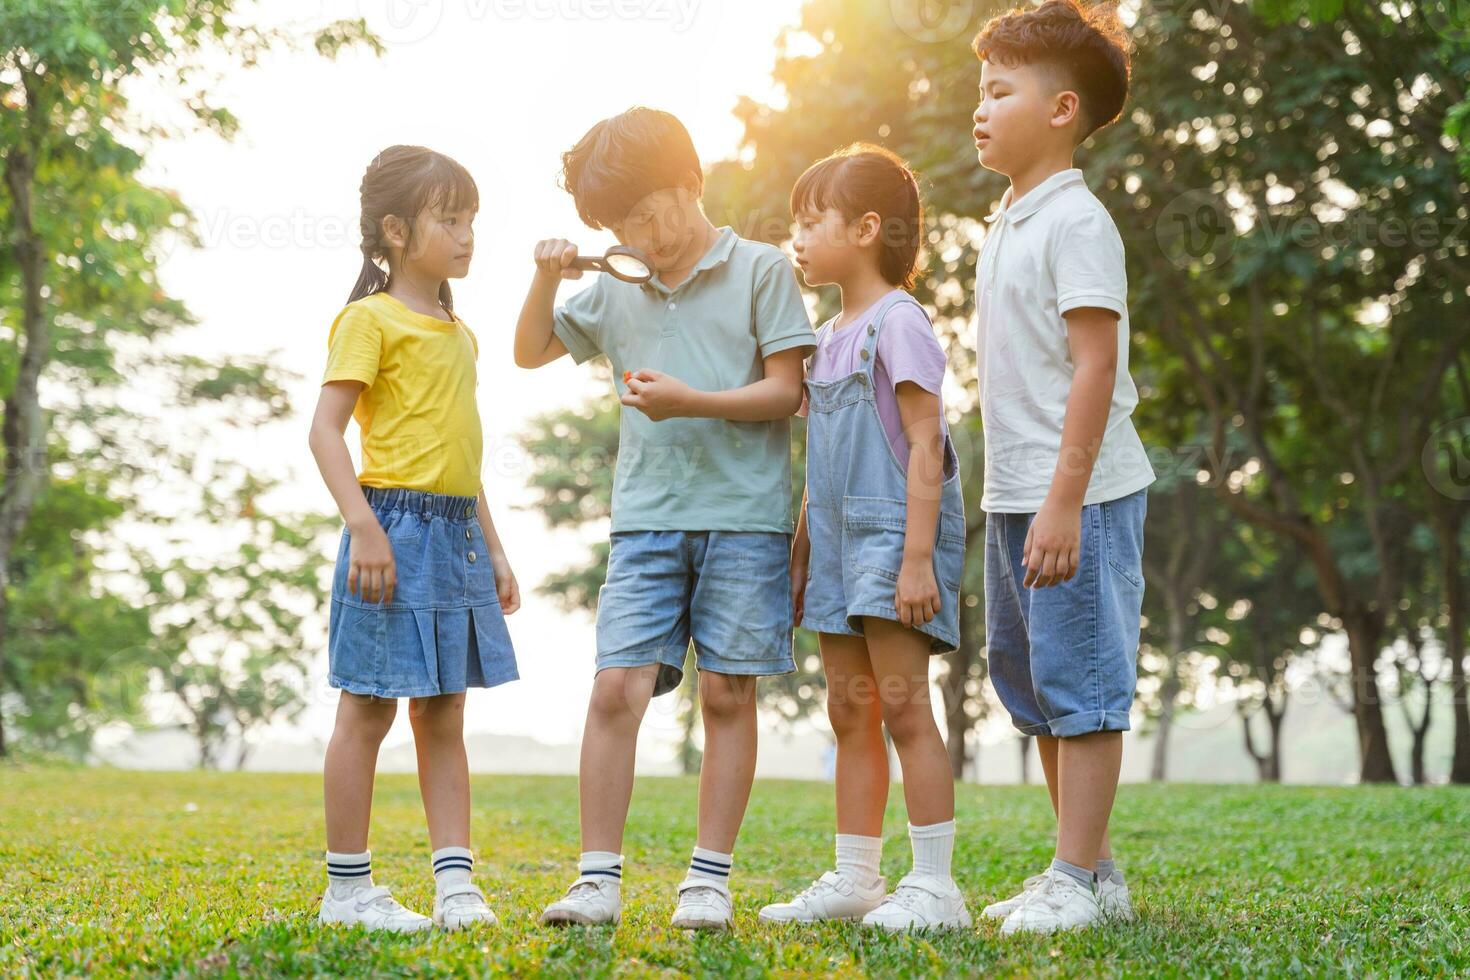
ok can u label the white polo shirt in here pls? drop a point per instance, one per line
(1054, 250)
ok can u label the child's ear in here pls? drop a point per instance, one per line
(1066, 110)
(869, 225)
(395, 232)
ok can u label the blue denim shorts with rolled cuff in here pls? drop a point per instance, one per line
(443, 631)
(1063, 658)
(727, 591)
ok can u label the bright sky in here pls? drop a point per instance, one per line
(503, 87)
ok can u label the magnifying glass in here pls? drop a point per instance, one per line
(620, 262)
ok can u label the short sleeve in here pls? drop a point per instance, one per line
(781, 321)
(908, 349)
(1087, 263)
(577, 323)
(474, 341)
(354, 346)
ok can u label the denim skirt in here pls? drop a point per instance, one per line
(443, 631)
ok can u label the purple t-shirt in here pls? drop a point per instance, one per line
(907, 351)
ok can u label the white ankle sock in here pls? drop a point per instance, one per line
(347, 873)
(452, 866)
(933, 847)
(710, 867)
(858, 858)
(601, 865)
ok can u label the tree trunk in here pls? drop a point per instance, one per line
(1025, 744)
(1273, 718)
(956, 719)
(1447, 526)
(1167, 695)
(24, 441)
(1375, 764)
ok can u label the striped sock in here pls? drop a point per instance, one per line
(452, 866)
(601, 865)
(347, 873)
(710, 867)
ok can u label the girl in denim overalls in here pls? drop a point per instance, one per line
(421, 586)
(880, 545)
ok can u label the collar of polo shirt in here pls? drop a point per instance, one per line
(1035, 199)
(718, 253)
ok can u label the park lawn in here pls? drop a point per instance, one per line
(109, 872)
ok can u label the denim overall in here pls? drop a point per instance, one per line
(857, 510)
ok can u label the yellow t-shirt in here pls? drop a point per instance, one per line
(420, 424)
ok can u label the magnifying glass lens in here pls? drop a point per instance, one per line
(627, 265)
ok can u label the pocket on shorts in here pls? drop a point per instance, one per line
(872, 531)
(1122, 522)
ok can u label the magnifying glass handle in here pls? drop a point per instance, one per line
(595, 263)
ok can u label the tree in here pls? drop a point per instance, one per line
(71, 278)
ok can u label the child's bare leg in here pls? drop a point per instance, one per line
(620, 696)
(1046, 747)
(444, 770)
(727, 706)
(900, 658)
(347, 774)
(857, 723)
(1087, 781)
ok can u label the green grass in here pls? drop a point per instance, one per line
(108, 872)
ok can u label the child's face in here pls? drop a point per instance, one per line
(443, 243)
(663, 226)
(1020, 117)
(826, 245)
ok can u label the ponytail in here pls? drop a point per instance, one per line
(372, 278)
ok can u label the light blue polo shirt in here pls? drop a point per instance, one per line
(740, 305)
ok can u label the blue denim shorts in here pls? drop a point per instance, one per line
(444, 630)
(728, 591)
(1063, 659)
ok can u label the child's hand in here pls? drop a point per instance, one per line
(370, 563)
(506, 586)
(798, 588)
(917, 596)
(1053, 546)
(657, 395)
(554, 258)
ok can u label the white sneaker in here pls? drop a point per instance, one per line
(589, 902)
(461, 905)
(832, 896)
(703, 906)
(1001, 909)
(921, 902)
(371, 908)
(1059, 902)
(1115, 900)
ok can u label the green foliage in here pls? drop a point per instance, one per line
(215, 874)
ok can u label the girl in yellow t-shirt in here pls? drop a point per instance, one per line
(421, 587)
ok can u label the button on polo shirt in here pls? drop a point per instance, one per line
(738, 306)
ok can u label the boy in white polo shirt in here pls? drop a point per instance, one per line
(1065, 472)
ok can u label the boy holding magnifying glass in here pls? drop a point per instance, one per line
(707, 359)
